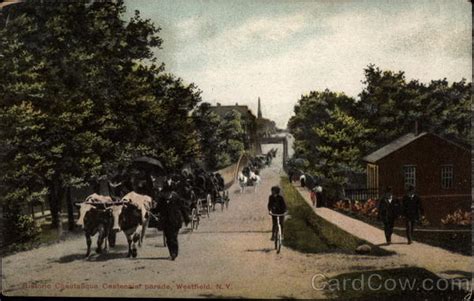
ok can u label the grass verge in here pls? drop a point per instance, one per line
(306, 232)
(47, 236)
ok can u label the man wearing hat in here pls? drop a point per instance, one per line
(389, 209)
(173, 211)
(412, 210)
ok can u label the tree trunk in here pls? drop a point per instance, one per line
(96, 187)
(60, 193)
(55, 197)
(53, 205)
(70, 210)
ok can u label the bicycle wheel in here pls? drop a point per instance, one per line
(164, 240)
(275, 235)
(226, 198)
(278, 240)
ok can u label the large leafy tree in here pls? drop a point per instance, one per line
(176, 136)
(314, 110)
(343, 140)
(329, 136)
(391, 104)
(212, 147)
(81, 94)
(231, 133)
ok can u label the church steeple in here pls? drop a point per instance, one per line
(259, 114)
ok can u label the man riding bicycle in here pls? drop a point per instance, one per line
(276, 205)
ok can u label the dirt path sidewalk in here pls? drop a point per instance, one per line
(442, 262)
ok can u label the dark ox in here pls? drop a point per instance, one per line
(95, 216)
(131, 216)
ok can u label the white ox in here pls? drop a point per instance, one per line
(87, 205)
(132, 217)
(95, 217)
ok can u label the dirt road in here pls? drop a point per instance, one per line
(229, 255)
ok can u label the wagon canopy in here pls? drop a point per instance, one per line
(148, 164)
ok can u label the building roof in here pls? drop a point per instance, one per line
(392, 147)
(401, 142)
(243, 110)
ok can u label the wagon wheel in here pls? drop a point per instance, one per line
(196, 224)
(194, 219)
(199, 206)
(198, 219)
(226, 199)
(208, 198)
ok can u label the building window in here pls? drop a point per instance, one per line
(409, 173)
(447, 176)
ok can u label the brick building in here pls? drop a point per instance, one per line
(439, 168)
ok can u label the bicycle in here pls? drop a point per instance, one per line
(278, 236)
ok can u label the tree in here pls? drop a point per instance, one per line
(342, 142)
(314, 110)
(212, 148)
(80, 95)
(391, 105)
(329, 137)
(176, 132)
(232, 134)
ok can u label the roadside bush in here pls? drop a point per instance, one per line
(342, 205)
(367, 208)
(19, 228)
(458, 217)
(222, 160)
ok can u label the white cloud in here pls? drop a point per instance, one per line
(188, 28)
(262, 57)
(266, 29)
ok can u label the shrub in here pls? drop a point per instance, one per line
(424, 221)
(458, 217)
(222, 160)
(19, 228)
(342, 205)
(368, 208)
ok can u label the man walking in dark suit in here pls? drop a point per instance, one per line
(173, 211)
(389, 209)
(412, 210)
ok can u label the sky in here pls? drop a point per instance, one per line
(278, 50)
